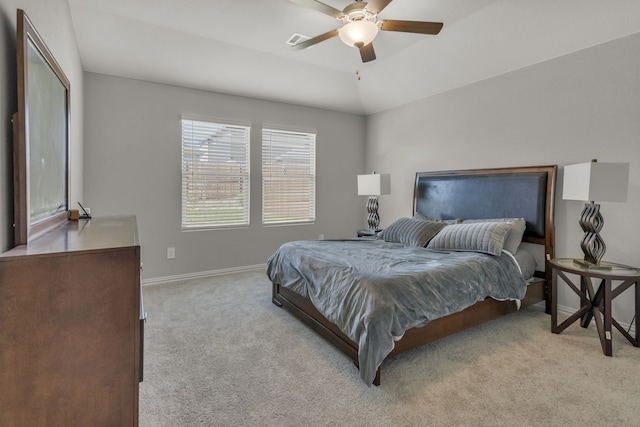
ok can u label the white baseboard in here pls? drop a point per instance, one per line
(201, 274)
(570, 310)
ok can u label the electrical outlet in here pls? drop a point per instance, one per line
(321, 236)
(171, 253)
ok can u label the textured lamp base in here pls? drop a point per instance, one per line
(592, 244)
(373, 219)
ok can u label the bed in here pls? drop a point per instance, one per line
(375, 298)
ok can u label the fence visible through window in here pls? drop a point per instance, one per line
(288, 176)
(215, 174)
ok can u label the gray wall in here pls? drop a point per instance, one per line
(568, 110)
(52, 19)
(132, 166)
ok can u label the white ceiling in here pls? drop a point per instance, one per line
(238, 46)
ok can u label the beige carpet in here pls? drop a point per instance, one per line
(219, 353)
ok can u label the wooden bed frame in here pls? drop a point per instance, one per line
(520, 192)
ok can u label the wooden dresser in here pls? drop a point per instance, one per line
(70, 338)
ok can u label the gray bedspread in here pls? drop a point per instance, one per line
(374, 291)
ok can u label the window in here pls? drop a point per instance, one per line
(288, 176)
(215, 174)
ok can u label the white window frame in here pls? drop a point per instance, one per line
(215, 174)
(288, 176)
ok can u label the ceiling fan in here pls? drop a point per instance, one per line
(360, 25)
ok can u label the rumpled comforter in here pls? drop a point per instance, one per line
(374, 290)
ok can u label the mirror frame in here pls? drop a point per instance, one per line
(26, 229)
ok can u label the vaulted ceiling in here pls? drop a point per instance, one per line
(239, 46)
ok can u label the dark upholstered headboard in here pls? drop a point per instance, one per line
(520, 192)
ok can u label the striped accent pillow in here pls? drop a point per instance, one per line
(412, 232)
(514, 236)
(485, 237)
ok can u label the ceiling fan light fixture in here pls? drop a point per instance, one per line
(358, 33)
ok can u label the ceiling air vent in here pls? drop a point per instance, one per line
(296, 38)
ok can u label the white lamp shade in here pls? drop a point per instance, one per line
(596, 181)
(356, 32)
(374, 184)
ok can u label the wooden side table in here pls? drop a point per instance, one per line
(595, 304)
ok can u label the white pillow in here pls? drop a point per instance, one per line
(418, 215)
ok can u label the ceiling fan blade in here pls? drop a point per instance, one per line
(317, 39)
(367, 53)
(411, 26)
(376, 6)
(320, 7)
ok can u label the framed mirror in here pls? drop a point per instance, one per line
(41, 137)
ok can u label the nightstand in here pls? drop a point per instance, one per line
(595, 303)
(368, 232)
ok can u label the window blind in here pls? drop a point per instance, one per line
(215, 174)
(288, 176)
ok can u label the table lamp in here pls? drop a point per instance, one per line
(373, 185)
(591, 182)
